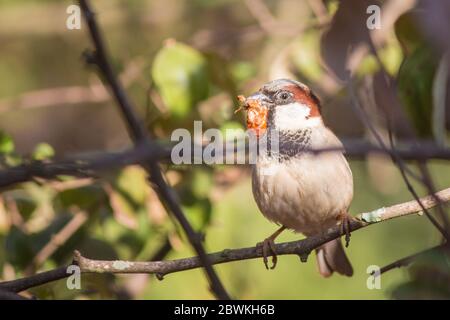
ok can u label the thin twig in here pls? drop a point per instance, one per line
(429, 184)
(270, 25)
(50, 97)
(60, 238)
(426, 177)
(83, 166)
(261, 13)
(8, 295)
(163, 251)
(91, 166)
(395, 158)
(302, 248)
(22, 284)
(139, 134)
(404, 262)
(319, 10)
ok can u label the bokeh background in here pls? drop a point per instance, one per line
(187, 60)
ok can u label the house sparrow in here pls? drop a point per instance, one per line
(305, 192)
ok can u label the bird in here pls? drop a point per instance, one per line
(300, 191)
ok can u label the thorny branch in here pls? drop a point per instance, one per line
(302, 248)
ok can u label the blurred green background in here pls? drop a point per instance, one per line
(182, 61)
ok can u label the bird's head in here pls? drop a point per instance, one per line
(284, 105)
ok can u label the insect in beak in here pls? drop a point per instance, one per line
(242, 105)
(256, 112)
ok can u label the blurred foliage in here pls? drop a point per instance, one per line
(220, 51)
(429, 278)
(6, 143)
(43, 151)
(417, 72)
(415, 83)
(180, 74)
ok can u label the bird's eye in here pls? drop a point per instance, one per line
(283, 95)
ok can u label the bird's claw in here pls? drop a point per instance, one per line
(268, 248)
(345, 227)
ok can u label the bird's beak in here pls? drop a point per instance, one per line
(257, 110)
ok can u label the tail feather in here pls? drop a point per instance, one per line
(331, 257)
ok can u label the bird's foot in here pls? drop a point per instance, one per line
(344, 221)
(268, 248)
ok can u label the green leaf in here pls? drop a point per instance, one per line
(99, 249)
(232, 130)
(18, 246)
(83, 198)
(428, 278)
(305, 56)
(201, 183)
(408, 32)
(199, 213)
(13, 160)
(43, 151)
(243, 71)
(415, 83)
(391, 56)
(368, 65)
(26, 207)
(133, 182)
(181, 76)
(6, 143)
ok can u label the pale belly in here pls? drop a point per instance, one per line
(305, 194)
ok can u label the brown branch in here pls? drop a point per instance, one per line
(301, 248)
(139, 134)
(163, 251)
(8, 295)
(9, 289)
(89, 166)
(95, 93)
(262, 14)
(22, 284)
(83, 166)
(59, 239)
(319, 10)
(270, 25)
(431, 189)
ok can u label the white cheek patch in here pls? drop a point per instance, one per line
(294, 116)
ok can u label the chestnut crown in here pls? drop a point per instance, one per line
(285, 91)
